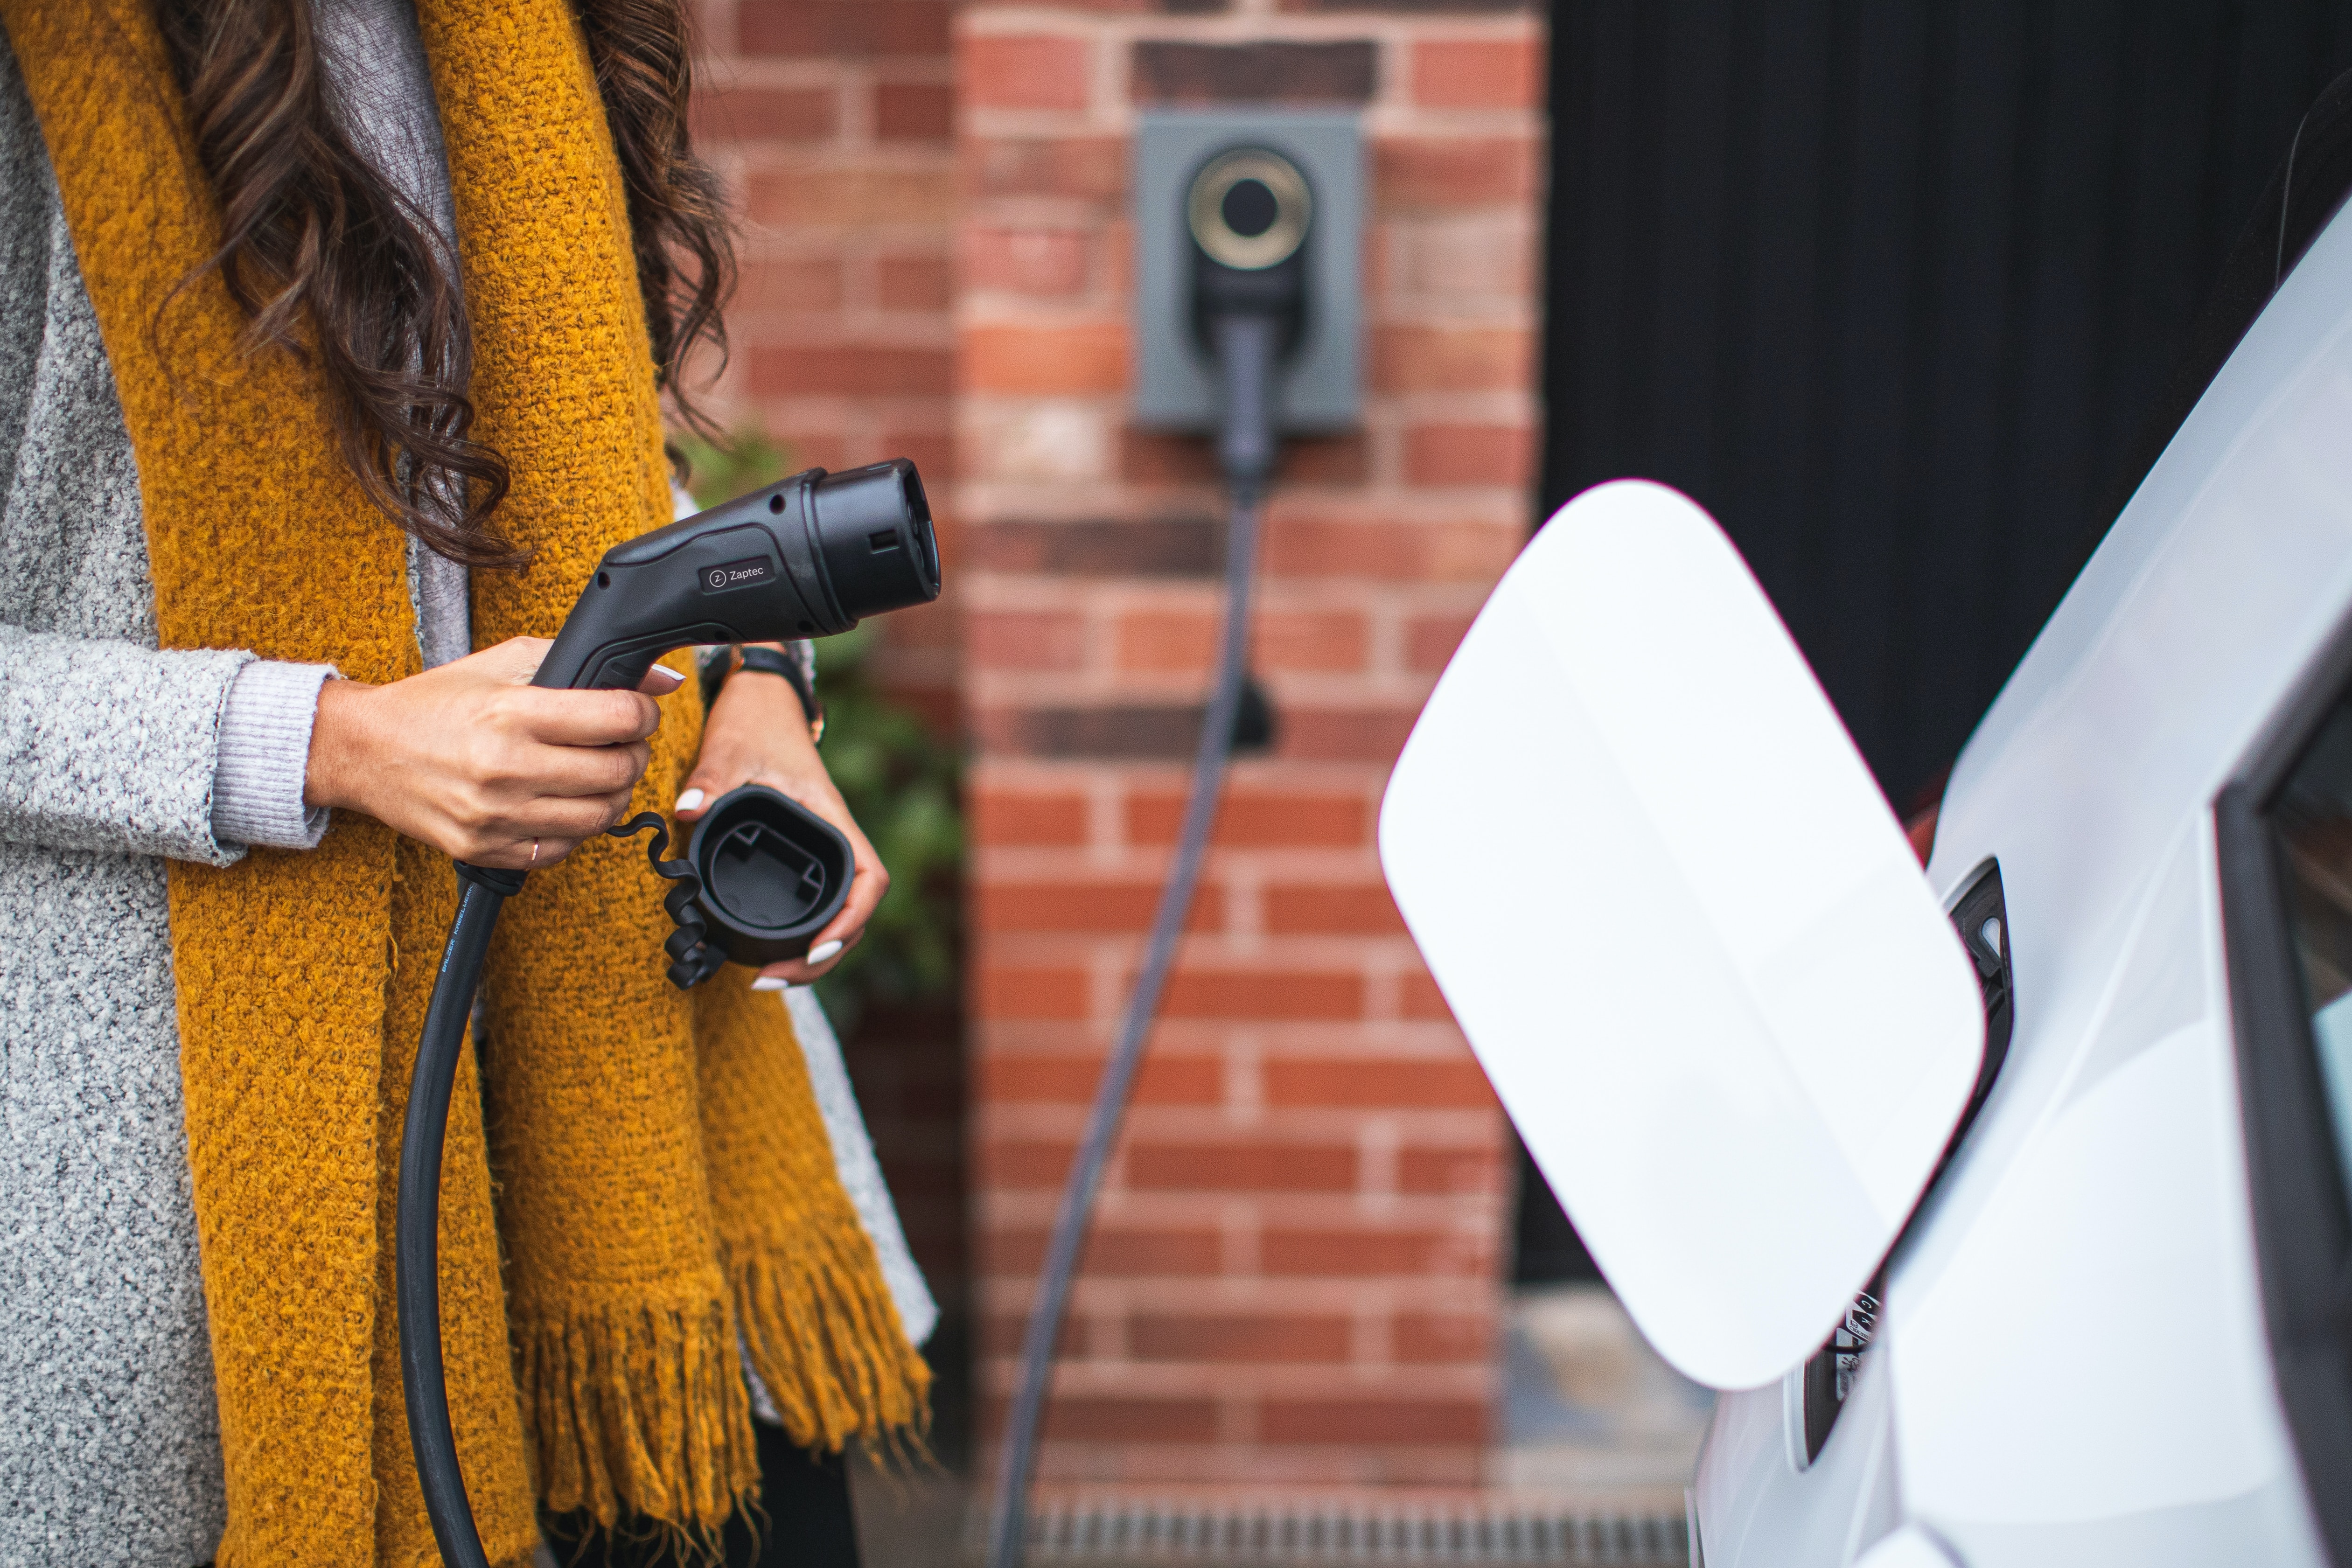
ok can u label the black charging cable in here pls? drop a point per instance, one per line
(1247, 347)
(809, 556)
(417, 1240)
(417, 1235)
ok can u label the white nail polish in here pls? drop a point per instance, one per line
(770, 983)
(822, 951)
(691, 801)
(675, 678)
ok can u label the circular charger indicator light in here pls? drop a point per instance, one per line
(1249, 209)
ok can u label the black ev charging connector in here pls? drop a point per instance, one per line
(774, 874)
(809, 557)
(1249, 211)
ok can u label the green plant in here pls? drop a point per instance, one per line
(901, 781)
(720, 471)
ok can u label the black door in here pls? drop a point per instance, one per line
(1892, 288)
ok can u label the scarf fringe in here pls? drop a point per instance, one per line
(641, 1413)
(824, 1337)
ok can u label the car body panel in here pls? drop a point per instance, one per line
(2072, 1337)
(1755, 1493)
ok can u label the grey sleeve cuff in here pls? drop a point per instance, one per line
(108, 746)
(265, 752)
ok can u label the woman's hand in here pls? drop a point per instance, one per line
(758, 735)
(475, 760)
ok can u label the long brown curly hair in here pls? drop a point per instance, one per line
(328, 261)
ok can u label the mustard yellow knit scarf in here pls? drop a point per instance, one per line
(634, 1177)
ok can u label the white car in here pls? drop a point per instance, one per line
(2007, 1206)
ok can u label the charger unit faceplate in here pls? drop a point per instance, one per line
(1321, 385)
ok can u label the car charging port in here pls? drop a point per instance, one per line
(1980, 915)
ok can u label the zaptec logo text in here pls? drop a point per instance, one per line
(736, 574)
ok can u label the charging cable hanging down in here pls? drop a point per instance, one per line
(809, 557)
(1249, 299)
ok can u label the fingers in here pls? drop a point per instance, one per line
(821, 959)
(865, 890)
(519, 856)
(514, 661)
(700, 794)
(575, 819)
(583, 718)
(557, 825)
(518, 659)
(564, 772)
(472, 759)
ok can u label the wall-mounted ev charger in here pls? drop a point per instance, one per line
(1318, 385)
(1249, 230)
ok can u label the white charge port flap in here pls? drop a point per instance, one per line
(1684, 934)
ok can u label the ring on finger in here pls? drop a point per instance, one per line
(534, 852)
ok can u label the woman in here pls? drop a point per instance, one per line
(331, 333)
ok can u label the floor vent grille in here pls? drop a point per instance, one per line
(1114, 1534)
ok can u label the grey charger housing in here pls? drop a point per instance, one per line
(1320, 386)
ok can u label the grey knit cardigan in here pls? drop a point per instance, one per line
(109, 1450)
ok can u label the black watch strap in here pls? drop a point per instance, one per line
(773, 662)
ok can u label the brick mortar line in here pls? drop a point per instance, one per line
(854, 327)
(991, 1034)
(1250, 775)
(834, 155)
(852, 246)
(1027, 593)
(1384, 411)
(830, 415)
(1208, 955)
(1445, 1218)
(1433, 1049)
(1211, 951)
(985, 501)
(1381, 122)
(1323, 1128)
(998, 1040)
(757, 73)
(1433, 1052)
(1049, 210)
(814, 240)
(1041, 312)
(1365, 693)
(984, 308)
(1004, 689)
(1202, 1295)
(1268, 1295)
(989, 20)
(1280, 1380)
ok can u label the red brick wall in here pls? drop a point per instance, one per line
(1296, 1274)
(833, 121)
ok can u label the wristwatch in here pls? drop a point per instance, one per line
(773, 662)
